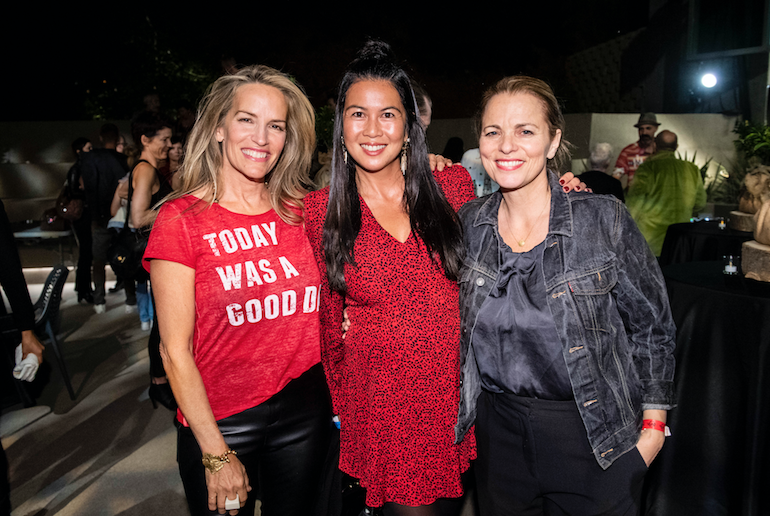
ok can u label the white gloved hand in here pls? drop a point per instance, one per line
(25, 369)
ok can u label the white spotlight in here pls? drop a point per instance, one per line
(709, 80)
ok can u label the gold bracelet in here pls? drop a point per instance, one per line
(214, 463)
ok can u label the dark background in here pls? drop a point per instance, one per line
(80, 64)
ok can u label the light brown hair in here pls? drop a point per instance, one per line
(551, 110)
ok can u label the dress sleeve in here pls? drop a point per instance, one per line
(457, 185)
(332, 303)
(171, 238)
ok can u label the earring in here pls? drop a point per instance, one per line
(403, 157)
(344, 150)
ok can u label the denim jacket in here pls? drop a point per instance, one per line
(609, 304)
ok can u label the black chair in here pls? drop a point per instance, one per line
(47, 316)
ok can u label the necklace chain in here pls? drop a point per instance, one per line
(523, 241)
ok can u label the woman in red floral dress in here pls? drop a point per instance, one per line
(392, 247)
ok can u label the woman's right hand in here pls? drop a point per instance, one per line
(228, 482)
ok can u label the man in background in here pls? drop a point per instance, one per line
(666, 191)
(632, 156)
(101, 169)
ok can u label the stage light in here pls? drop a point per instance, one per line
(709, 80)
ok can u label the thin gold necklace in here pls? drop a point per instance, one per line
(523, 241)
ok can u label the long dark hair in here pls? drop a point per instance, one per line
(430, 215)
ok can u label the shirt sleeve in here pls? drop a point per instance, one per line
(457, 185)
(171, 237)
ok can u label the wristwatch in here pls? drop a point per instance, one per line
(214, 463)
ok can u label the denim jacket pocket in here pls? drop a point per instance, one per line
(590, 288)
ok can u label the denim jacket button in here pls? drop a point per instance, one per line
(479, 282)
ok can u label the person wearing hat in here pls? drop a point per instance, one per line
(634, 155)
(667, 190)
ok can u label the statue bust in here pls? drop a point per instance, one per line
(755, 190)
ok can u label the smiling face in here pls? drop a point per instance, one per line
(253, 132)
(374, 125)
(156, 148)
(515, 142)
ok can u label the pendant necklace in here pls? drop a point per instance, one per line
(523, 241)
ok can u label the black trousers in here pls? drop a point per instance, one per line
(534, 458)
(82, 229)
(153, 345)
(282, 443)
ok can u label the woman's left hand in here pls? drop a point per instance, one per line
(438, 162)
(571, 182)
(649, 445)
(651, 440)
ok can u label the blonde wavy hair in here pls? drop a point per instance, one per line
(203, 153)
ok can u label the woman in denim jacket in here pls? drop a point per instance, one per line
(567, 343)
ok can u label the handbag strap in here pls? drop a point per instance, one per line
(131, 193)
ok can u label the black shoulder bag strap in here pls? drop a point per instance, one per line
(131, 194)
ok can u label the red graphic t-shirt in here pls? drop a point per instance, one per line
(256, 298)
(630, 158)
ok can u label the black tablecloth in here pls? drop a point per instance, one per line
(701, 241)
(717, 462)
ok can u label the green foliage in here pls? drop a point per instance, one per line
(324, 128)
(150, 66)
(726, 186)
(753, 141)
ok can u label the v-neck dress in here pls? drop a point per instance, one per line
(395, 377)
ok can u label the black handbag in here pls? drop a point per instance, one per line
(127, 249)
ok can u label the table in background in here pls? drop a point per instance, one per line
(700, 242)
(36, 233)
(717, 462)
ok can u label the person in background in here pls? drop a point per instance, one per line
(598, 177)
(667, 190)
(121, 145)
(152, 137)
(138, 284)
(482, 183)
(82, 226)
(101, 170)
(15, 287)
(175, 155)
(424, 104)
(567, 336)
(633, 155)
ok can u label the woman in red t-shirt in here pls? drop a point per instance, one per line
(236, 288)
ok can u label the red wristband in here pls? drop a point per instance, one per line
(654, 424)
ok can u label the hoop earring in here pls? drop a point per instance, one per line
(344, 150)
(403, 157)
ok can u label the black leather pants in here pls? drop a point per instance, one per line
(282, 443)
